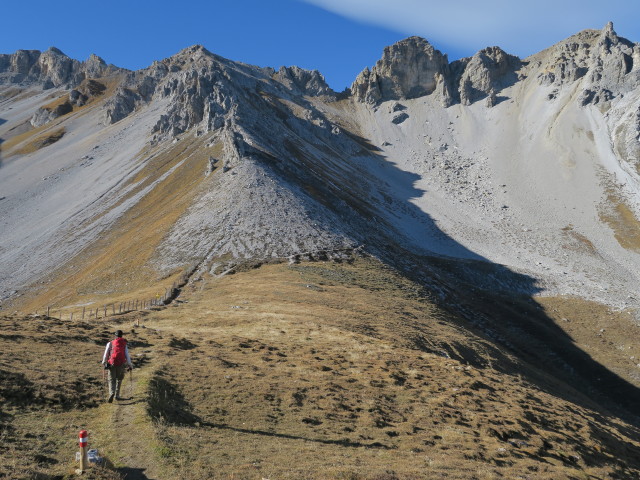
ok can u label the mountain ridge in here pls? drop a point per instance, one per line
(228, 100)
(497, 197)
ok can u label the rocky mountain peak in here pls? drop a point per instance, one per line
(486, 73)
(192, 53)
(600, 57)
(407, 69)
(413, 68)
(55, 50)
(51, 68)
(305, 82)
(608, 36)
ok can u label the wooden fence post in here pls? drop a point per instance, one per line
(71, 317)
(48, 311)
(83, 313)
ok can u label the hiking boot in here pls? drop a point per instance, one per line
(119, 397)
(110, 399)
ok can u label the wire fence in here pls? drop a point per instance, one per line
(117, 308)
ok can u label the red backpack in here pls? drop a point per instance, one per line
(118, 357)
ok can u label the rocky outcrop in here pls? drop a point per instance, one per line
(567, 61)
(487, 72)
(304, 82)
(607, 68)
(123, 102)
(612, 60)
(444, 90)
(407, 69)
(77, 97)
(191, 81)
(86, 91)
(51, 69)
(45, 115)
(96, 67)
(204, 91)
(413, 68)
(606, 62)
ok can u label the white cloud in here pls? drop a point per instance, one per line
(522, 27)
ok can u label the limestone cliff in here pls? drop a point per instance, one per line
(407, 69)
(51, 68)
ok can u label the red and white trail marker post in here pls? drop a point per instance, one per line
(84, 461)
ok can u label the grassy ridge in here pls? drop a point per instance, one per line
(318, 370)
(341, 371)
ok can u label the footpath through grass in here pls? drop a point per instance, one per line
(313, 371)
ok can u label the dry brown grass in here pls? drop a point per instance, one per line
(315, 371)
(44, 140)
(622, 221)
(318, 371)
(610, 337)
(56, 103)
(33, 140)
(117, 267)
(577, 242)
(36, 138)
(49, 386)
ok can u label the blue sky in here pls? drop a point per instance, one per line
(337, 37)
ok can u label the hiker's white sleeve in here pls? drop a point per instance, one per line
(126, 354)
(107, 351)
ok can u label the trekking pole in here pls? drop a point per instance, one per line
(104, 380)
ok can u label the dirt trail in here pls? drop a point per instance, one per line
(132, 440)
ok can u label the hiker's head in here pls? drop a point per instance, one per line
(118, 333)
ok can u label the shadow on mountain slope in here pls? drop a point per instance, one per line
(496, 301)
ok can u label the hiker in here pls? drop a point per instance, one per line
(116, 359)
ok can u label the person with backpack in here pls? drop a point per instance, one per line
(116, 359)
